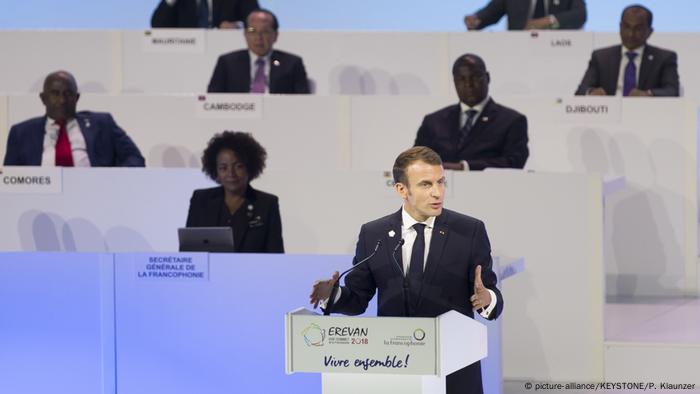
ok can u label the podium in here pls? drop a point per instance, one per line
(382, 354)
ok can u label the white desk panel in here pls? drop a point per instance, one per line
(384, 126)
(336, 62)
(93, 56)
(651, 241)
(372, 63)
(651, 226)
(652, 234)
(160, 72)
(555, 221)
(107, 209)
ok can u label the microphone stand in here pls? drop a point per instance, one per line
(404, 287)
(336, 285)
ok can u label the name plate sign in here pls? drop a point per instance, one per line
(34, 180)
(587, 110)
(560, 43)
(229, 106)
(362, 345)
(173, 41)
(177, 266)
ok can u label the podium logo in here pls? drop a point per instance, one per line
(314, 335)
(419, 334)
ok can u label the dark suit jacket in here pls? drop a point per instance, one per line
(107, 144)
(261, 234)
(658, 71)
(459, 243)
(184, 12)
(571, 14)
(497, 139)
(232, 73)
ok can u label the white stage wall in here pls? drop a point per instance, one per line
(527, 215)
(651, 243)
(541, 64)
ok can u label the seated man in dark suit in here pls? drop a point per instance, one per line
(63, 137)
(433, 260)
(633, 68)
(476, 133)
(259, 69)
(530, 14)
(224, 14)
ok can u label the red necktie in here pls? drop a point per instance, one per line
(64, 154)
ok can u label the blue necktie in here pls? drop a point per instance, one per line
(630, 81)
(203, 13)
(464, 132)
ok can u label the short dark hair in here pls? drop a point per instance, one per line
(407, 157)
(650, 15)
(463, 60)
(275, 23)
(246, 148)
(61, 74)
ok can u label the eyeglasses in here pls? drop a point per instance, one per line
(251, 31)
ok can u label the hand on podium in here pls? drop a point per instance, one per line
(482, 297)
(322, 290)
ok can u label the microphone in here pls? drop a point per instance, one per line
(336, 285)
(404, 287)
(393, 254)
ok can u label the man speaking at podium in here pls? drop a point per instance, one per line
(433, 259)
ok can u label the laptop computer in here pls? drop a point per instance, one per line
(206, 239)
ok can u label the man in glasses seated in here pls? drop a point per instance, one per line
(259, 68)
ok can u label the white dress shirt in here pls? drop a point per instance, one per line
(77, 144)
(623, 64)
(408, 233)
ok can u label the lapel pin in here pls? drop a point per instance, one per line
(392, 233)
(442, 232)
(87, 122)
(250, 207)
(276, 62)
(650, 57)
